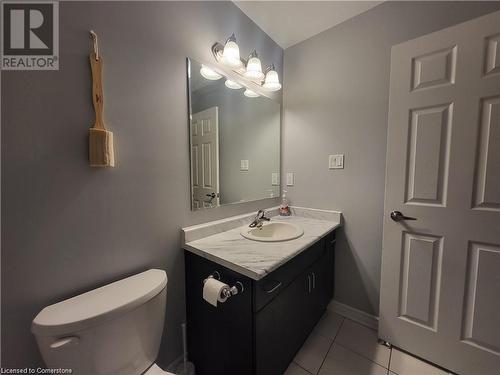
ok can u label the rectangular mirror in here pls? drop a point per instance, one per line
(234, 142)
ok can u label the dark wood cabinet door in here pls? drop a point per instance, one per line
(322, 280)
(281, 328)
(321, 293)
(219, 338)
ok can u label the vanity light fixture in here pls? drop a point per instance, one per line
(232, 85)
(250, 94)
(209, 74)
(231, 53)
(272, 82)
(250, 69)
(254, 67)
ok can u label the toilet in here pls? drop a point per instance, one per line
(112, 330)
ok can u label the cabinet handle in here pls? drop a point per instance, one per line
(274, 288)
(314, 280)
(309, 282)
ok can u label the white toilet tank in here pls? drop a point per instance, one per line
(112, 330)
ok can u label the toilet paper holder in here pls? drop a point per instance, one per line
(237, 288)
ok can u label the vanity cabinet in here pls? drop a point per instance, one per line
(259, 331)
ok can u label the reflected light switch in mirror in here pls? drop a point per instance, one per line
(244, 165)
(336, 161)
(274, 179)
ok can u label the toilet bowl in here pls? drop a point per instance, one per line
(112, 330)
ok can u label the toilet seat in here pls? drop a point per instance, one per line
(155, 370)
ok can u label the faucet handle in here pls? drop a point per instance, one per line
(264, 216)
(261, 215)
(259, 218)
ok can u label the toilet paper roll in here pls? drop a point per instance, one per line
(212, 291)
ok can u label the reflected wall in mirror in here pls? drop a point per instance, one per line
(234, 141)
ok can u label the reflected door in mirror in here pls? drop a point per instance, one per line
(205, 158)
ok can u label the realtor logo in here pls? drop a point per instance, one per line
(30, 35)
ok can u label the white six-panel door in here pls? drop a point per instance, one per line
(440, 285)
(205, 158)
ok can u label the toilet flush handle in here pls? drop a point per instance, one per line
(64, 342)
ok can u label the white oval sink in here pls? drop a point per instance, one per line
(273, 231)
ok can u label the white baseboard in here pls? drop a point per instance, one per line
(354, 314)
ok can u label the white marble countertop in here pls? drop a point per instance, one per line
(256, 259)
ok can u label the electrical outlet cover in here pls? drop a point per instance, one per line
(336, 161)
(244, 165)
(274, 179)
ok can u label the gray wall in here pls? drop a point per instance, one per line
(249, 129)
(336, 88)
(66, 227)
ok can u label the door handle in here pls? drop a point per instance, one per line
(211, 197)
(309, 281)
(398, 216)
(314, 280)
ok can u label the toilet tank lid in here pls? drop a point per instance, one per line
(98, 305)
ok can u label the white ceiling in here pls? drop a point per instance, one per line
(290, 22)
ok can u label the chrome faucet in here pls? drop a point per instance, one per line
(259, 219)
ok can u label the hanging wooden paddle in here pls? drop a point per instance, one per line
(101, 151)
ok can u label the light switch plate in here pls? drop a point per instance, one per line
(289, 179)
(274, 179)
(336, 161)
(244, 165)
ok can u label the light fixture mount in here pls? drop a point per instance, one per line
(253, 54)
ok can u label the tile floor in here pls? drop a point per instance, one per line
(339, 346)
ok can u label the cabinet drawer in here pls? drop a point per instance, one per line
(270, 286)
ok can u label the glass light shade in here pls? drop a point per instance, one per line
(272, 82)
(232, 85)
(208, 73)
(254, 68)
(231, 54)
(250, 94)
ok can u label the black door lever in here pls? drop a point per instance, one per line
(398, 216)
